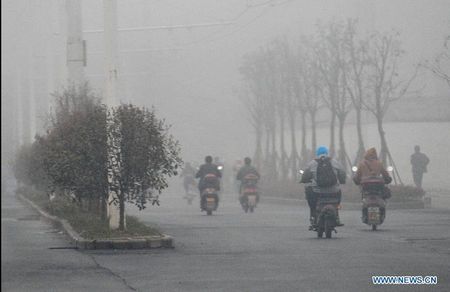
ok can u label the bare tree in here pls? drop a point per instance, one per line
(252, 97)
(358, 63)
(329, 65)
(383, 80)
(441, 63)
(291, 99)
(332, 58)
(312, 88)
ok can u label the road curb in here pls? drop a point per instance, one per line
(142, 242)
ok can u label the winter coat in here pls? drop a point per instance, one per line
(310, 176)
(419, 162)
(208, 168)
(246, 169)
(371, 167)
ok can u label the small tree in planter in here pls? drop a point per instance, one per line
(148, 155)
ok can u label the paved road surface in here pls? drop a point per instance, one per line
(270, 250)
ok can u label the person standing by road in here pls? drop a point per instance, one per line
(419, 162)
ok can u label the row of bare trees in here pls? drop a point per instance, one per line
(332, 72)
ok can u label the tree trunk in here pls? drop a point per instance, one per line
(304, 150)
(267, 150)
(283, 156)
(342, 152)
(103, 208)
(361, 148)
(258, 149)
(332, 130)
(273, 160)
(122, 212)
(313, 133)
(294, 153)
(384, 149)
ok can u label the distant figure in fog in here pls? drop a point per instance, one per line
(419, 162)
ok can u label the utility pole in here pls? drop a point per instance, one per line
(111, 56)
(76, 50)
(110, 93)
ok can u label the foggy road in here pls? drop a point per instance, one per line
(270, 250)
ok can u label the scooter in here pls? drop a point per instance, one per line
(326, 214)
(373, 200)
(249, 193)
(325, 221)
(210, 194)
(191, 191)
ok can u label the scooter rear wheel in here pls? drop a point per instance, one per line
(209, 212)
(320, 233)
(327, 229)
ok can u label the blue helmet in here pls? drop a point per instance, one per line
(321, 150)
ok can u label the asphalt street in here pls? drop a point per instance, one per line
(269, 250)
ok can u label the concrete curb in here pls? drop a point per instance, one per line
(347, 205)
(144, 242)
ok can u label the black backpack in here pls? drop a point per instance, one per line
(325, 176)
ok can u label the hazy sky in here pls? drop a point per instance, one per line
(191, 74)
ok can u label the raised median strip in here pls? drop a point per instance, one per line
(141, 242)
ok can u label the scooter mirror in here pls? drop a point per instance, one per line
(390, 168)
(354, 168)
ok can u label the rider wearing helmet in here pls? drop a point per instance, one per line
(313, 189)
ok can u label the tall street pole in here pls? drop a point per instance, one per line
(110, 93)
(76, 51)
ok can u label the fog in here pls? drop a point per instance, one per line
(183, 57)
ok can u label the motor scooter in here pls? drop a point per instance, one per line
(326, 219)
(373, 194)
(249, 192)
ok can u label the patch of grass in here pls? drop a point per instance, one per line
(87, 224)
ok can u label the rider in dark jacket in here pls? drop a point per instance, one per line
(310, 177)
(246, 169)
(207, 168)
(243, 171)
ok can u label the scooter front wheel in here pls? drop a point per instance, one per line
(374, 227)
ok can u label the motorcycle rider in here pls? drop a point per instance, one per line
(207, 168)
(243, 171)
(371, 167)
(188, 174)
(313, 190)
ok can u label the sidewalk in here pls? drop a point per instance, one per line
(36, 257)
(143, 242)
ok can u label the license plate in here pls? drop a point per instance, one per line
(210, 200)
(373, 214)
